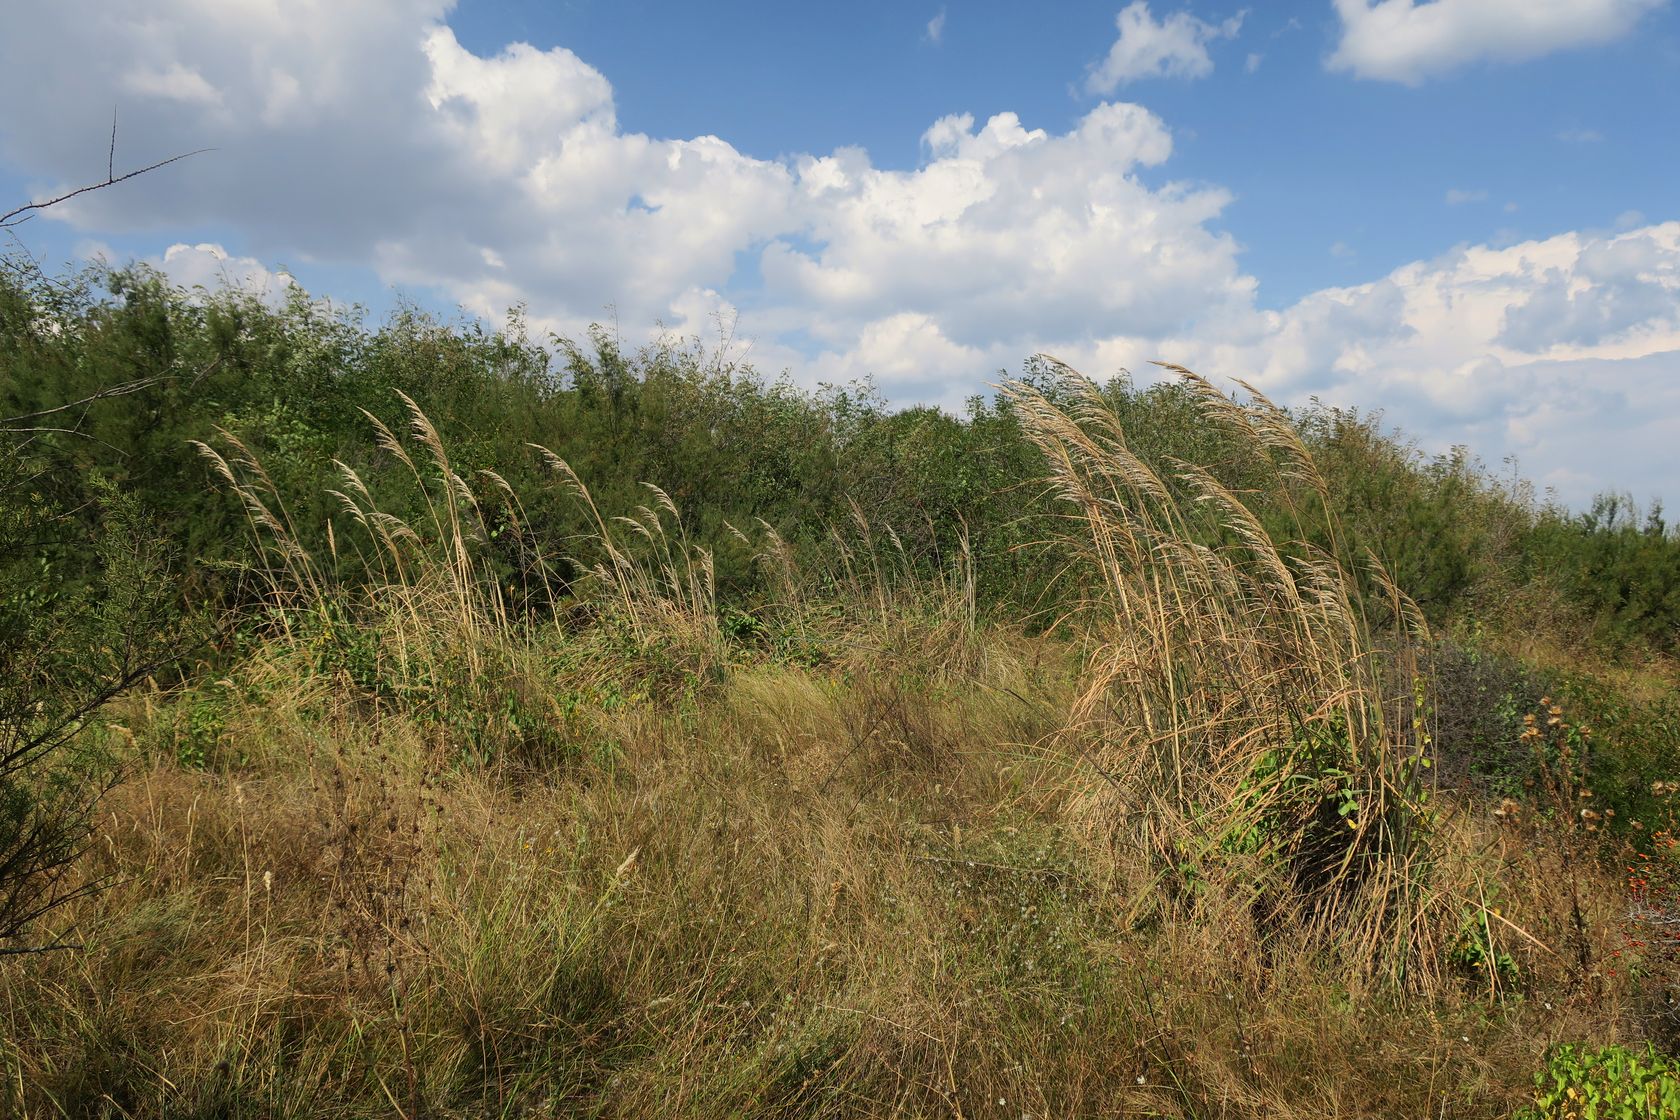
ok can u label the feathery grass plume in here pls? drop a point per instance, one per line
(427, 591)
(268, 520)
(671, 591)
(1237, 699)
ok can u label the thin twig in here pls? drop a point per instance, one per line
(63, 432)
(10, 218)
(114, 391)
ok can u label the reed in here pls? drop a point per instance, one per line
(1257, 725)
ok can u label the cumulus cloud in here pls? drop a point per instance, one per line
(1407, 41)
(1007, 232)
(1457, 196)
(1604, 294)
(208, 265)
(1176, 47)
(368, 134)
(1564, 352)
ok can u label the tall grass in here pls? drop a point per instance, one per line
(426, 605)
(858, 851)
(1259, 725)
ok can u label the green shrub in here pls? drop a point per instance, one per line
(1613, 1083)
(66, 648)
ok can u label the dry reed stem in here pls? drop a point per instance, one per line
(1235, 696)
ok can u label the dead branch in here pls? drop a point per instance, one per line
(24, 213)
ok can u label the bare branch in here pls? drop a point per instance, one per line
(12, 217)
(123, 390)
(64, 432)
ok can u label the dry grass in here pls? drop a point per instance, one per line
(1257, 736)
(810, 894)
(947, 870)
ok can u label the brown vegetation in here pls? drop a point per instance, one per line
(1180, 856)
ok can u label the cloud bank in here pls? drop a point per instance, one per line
(367, 134)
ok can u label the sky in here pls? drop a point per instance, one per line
(1464, 214)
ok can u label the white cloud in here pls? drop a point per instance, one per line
(1175, 47)
(1253, 62)
(1407, 41)
(936, 28)
(1580, 136)
(1564, 352)
(367, 134)
(1458, 197)
(1006, 232)
(208, 266)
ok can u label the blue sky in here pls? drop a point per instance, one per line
(1461, 212)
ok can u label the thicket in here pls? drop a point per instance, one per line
(730, 448)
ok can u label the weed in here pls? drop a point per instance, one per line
(1612, 1083)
